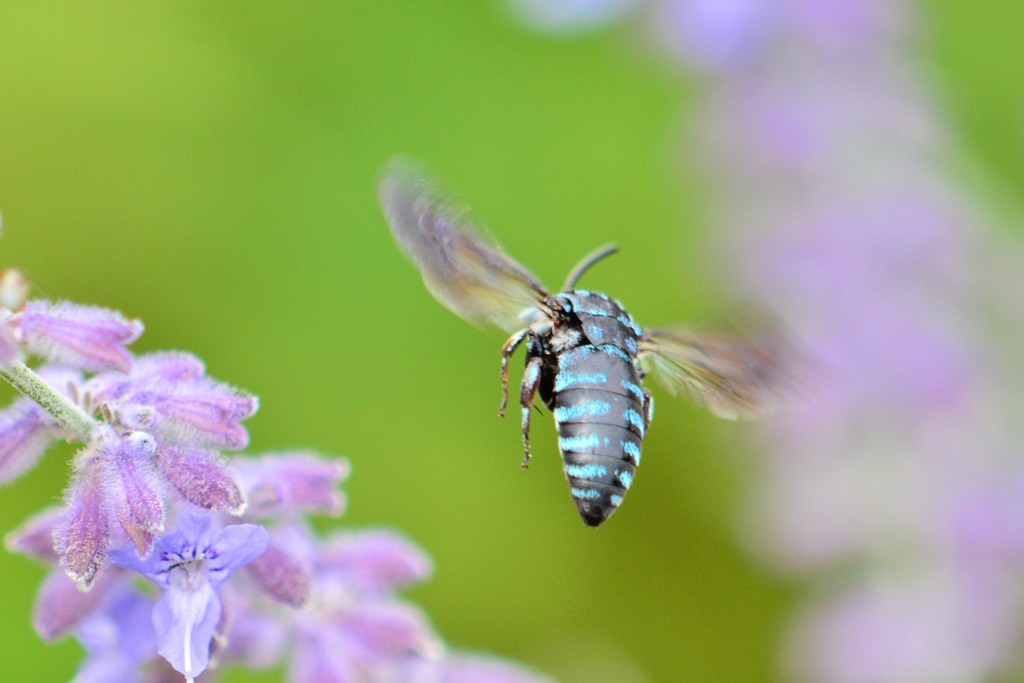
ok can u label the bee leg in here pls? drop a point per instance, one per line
(648, 409)
(506, 353)
(527, 393)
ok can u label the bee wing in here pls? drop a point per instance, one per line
(469, 274)
(732, 375)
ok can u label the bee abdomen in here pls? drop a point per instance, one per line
(599, 413)
(598, 483)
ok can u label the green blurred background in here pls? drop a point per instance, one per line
(210, 168)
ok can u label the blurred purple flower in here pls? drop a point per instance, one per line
(25, 434)
(353, 627)
(61, 604)
(826, 154)
(842, 221)
(189, 564)
(26, 430)
(281, 577)
(292, 483)
(83, 337)
(714, 34)
(119, 639)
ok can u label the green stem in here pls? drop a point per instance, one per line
(76, 420)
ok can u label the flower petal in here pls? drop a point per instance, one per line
(202, 413)
(201, 478)
(84, 337)
(281, 576)
(234, 547)
(375, 562)
(283, 483)
(24, 437)
(82, 534)
(34, 537)
(185, 622)
(136, 498)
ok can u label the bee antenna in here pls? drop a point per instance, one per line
(584, 265)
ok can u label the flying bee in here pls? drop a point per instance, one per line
(585, 354)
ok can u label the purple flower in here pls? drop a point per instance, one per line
(154, 429)
(119, 638)
(82, 534)
(34, 537)
(201, 477)
(714, 34)
(26, 430)
(189, 564)
(292, 484)
(150, 371)
(353, 628)
(281, 577)
(168, 395)
(84, 337)
(25, 433)
(61, 603)
(131, 485)
(842, 220)
(200, 413)
(373, 562)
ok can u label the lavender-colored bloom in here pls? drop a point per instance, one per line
(85, 337)
(854, 234)
(119, 639)
(715, 34)
(189, 564)
(26, 430)
(150, 427)
(200, 413)
(281, 576)
(61, 603)
(150, 371)
(14, 290)
(825, 151)
(34, 537)
(132, 488)
(201, 477)
(364, 640)
(255, 640)
(374, 562)
(353, 628)
(82, 533)
(24, 436)
(168, 395)
(292, 483)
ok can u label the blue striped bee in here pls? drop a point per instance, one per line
(585, 355)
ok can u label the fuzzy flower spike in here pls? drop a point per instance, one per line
(153, 493)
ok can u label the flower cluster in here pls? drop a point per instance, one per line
(234, 574)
